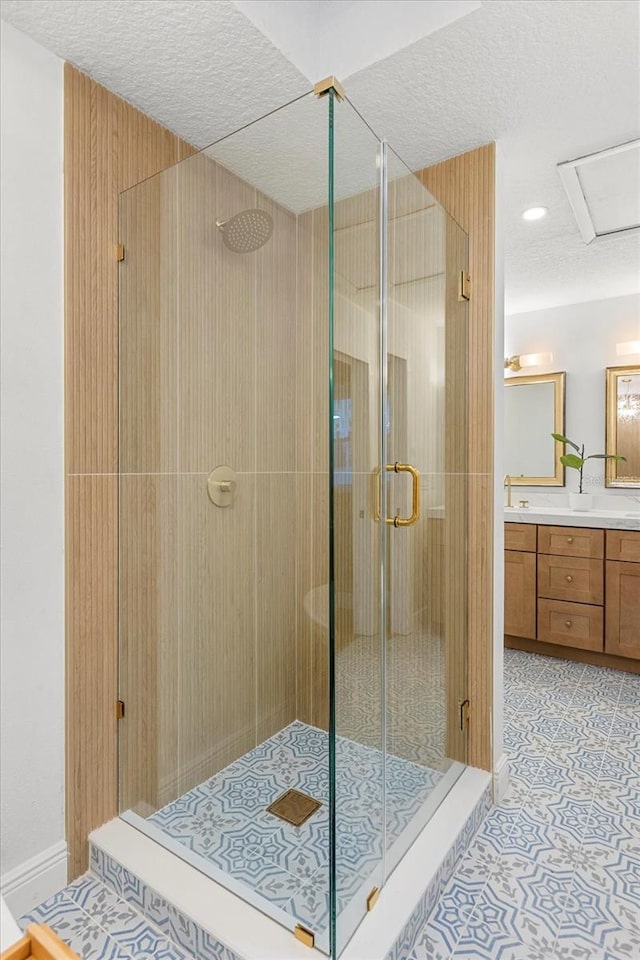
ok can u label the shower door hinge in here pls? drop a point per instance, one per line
(464, 286)
(304, 936)
(463, 706)
(119, 709)
(372, 899)
(119, 252)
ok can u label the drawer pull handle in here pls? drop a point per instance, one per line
(569, 539)
(568, 623)
(569, 578)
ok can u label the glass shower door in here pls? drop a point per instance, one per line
(424, 475)
(357, 728)
(398, 511)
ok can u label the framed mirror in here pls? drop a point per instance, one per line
(533, 410)
(623, 426)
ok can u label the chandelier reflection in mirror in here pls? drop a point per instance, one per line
(628, 402)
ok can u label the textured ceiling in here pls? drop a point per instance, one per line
(548, 79)
(326, 37)
(200, 67)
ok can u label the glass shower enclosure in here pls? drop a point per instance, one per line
(292, 497)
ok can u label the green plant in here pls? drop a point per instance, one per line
(576, 461)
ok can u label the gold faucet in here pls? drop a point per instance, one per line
(507, 484)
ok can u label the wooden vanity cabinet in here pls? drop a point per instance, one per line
(575, 589)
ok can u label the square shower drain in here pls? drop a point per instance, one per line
(294, 807)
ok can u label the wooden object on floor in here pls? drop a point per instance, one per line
(109, 146)
(465, 187)
(41, 943)
(569, 653)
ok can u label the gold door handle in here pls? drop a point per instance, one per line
(415, 506)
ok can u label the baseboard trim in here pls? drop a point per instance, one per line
(35, 880)
(501, 779)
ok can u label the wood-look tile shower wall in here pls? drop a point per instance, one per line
(465, 186)
(208, 348)
(207, 378)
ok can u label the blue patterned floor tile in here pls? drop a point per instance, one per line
(103, 906)
(146, 944)
(578, 948)
(522, 833)
(430, 946)
(561, 855)
(310, 903)
(588, 913)
(209, 948)
(279, 887)
(454, 910)
(490, 929)
(77, 929)
(614, 870)
(100, 926)
(225, 820)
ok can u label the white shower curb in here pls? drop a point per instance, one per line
(152, 873)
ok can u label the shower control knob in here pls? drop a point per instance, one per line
(221, 486)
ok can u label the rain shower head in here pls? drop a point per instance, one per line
(246, 231)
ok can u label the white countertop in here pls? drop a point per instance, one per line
(565, 517)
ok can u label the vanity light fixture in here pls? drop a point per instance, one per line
(528, 360)
(628, 348)
(535, 213)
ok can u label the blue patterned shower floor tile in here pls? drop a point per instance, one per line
(225, 820)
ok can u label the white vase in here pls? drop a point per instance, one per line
(581, 501)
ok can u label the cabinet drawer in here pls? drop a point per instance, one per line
(570, 578)
(571, 542)
(520, 536)
(570, 624)
(623, 545)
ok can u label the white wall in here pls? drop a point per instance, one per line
(582, 338)
(32, 574)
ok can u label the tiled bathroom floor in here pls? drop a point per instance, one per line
(554, 872)
(225, 819)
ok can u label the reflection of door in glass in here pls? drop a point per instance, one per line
(402, 599)
(355, 560)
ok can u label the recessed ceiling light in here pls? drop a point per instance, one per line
(535, 213)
